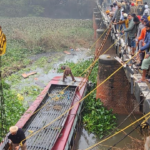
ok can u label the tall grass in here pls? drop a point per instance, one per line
(32, 35)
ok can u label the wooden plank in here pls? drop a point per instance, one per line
(25, 75)
(66, 52)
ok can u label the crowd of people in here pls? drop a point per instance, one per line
(134, 24)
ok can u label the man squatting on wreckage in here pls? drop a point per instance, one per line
(67, 72)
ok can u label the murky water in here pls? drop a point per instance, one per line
(41, 79)
(86, 140)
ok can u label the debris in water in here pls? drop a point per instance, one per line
(25, 75)
(67, 52)
(77, 49)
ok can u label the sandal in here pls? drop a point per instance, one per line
(148, 80)
(133, 61)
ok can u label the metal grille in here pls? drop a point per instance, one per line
(45, 139)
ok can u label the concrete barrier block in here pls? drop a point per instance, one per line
(128, 75)
(146, 106)
(137, 92)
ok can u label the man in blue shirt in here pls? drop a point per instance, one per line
(146, 61)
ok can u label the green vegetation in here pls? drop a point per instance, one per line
(27, 37)
(96, 118)
(31, 36)
(13, 106)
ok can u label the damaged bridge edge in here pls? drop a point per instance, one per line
(140, 90)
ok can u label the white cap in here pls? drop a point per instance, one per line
(13, 129)
(146, 6)
(125, 15)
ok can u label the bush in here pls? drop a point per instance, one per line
(13, 107)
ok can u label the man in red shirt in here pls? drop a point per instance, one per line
(140, 41)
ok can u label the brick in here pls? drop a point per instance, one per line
(115, 92)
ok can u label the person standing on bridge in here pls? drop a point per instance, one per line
(141, 39)
(133, 9)
(17, 136)
(125, 23)
(143, 8)
(132, 31)
(117, 15)
(146, 11)
(127, 7)
(146, 61)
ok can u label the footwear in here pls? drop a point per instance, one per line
(139, 64)
(148, 76)
(148, 80)
(124, 52)
(140, 81)
(133, 61)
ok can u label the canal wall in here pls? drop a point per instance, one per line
(140, 99)
(115, 92)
